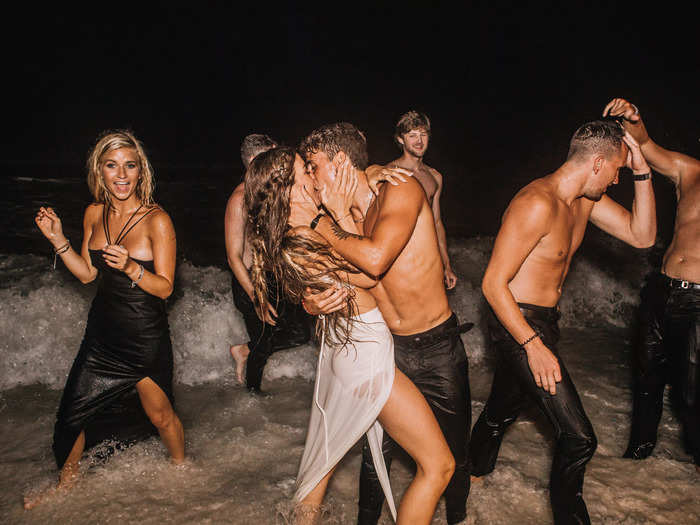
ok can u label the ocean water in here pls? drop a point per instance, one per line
(244, 450)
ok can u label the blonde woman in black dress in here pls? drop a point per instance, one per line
(120, 384)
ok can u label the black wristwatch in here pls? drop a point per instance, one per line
(315, 220)
(642, 176)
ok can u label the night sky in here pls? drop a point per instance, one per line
(505, 87)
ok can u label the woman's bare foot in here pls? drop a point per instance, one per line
(32, 500)
(476, 479)
(68, 480)
(305, 514)
(240, 356)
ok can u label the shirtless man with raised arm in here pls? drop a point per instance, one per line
(412, 136)
(392, 236)
(668, 346)
(540, 231)
(264, 340)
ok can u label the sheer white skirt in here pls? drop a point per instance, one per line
(352, 385)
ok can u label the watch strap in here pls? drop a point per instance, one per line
(315, 220)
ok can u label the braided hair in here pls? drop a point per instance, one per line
(296, 261)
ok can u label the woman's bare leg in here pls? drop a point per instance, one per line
(308, 510)
(159, 410)
(67, 477)
(408, 419)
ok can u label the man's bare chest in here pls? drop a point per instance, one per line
(427, 180)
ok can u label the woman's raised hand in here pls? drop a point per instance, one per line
(50, 225)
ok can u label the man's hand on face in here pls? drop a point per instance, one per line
(338, 196)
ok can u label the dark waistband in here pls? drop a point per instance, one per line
(679, 284)
(543, 313)
(448, 328)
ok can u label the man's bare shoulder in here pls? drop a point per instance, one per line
(411, 189)
(435, 173)
(237, 198)
(691, 175)
(535, 201)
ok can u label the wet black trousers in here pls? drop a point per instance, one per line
(513, 387)
(667, 350)
(293, 329)
(436, 362)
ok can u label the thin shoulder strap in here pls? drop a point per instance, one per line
(123, 234)
(105, 223)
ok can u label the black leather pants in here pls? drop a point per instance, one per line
(437, 365)
(667, 350)
(513, 387)
(293, 329)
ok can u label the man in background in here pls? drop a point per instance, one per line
(412, 136)
(267, 331)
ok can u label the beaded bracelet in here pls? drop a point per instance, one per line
(59, 251)
(531, 338)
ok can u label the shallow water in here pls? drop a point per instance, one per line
(244, 450)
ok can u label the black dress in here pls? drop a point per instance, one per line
(127, 339)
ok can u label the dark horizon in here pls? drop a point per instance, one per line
(504, 86)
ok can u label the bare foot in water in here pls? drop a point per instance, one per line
(240, 356)
(33, 499)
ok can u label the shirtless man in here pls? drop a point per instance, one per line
(540, 231)
(399, 246)
(412, 136)
(262, 339)
(668, 345)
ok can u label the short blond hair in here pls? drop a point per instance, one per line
(109, 141)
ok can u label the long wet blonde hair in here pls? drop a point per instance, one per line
(111, 140)
(297, 262)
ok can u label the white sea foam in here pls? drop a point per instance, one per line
(43, 314)
(244, 450)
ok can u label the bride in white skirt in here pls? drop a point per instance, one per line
(358, 389)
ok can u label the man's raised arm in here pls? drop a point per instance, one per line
(672, 164)
(638, 227)
(525, 222)
(375, 253)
